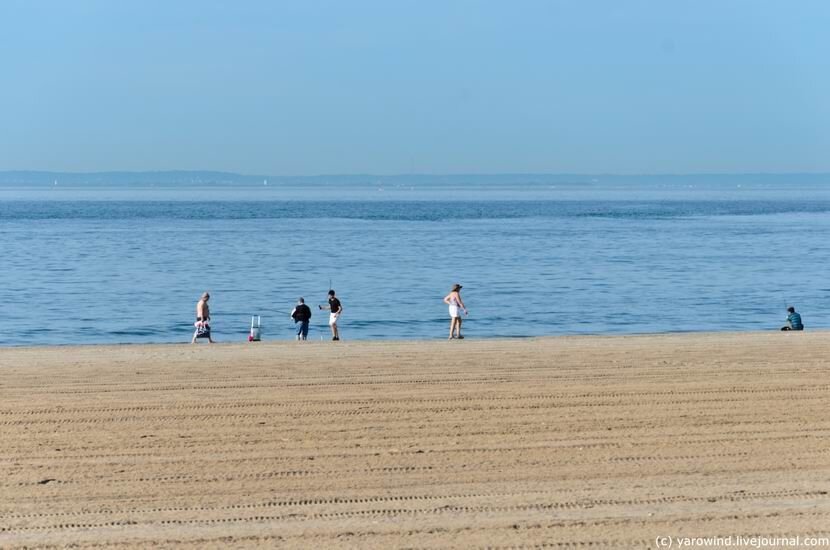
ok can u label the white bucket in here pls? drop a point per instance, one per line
(256, 329)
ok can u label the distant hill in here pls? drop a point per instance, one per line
(24, 178)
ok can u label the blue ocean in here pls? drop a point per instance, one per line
(114, 265)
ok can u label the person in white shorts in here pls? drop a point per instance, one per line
(336, 309)
(456, 306)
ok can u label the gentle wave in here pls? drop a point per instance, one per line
(116, 272)
(395, 210)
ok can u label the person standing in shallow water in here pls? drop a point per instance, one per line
(456, 306)
(202, 323)
(336, 309)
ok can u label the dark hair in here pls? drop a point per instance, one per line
(331, 293)
(791, 309)
(301, 300)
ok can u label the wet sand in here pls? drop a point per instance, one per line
(573, 442)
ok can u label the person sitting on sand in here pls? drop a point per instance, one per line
(456, 305)
(336, 309)
(301, 314)
(793, 320)
(202, 323)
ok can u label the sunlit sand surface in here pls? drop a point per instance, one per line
(600, 442)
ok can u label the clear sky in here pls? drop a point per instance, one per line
(421, 86)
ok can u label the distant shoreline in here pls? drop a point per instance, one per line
(195, 178)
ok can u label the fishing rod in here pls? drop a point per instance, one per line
(330, 289)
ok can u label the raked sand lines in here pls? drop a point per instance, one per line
(583, 442)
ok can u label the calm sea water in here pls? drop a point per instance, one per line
(126, 269)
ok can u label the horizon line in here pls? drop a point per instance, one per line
(409, 174)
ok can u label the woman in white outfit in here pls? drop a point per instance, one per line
(456, 306)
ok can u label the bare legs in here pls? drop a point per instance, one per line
(455, 328)
(193, 341)
(196, 335)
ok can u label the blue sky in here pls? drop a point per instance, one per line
(297, 88)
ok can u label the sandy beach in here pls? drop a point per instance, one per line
(571, 442)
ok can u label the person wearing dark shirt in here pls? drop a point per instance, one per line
(301, 315)
(793, 320)
(336, 309)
